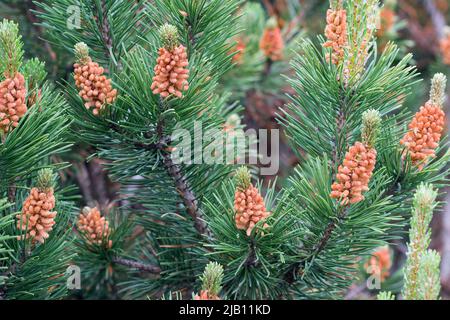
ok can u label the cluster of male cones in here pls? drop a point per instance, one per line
(94, 227)
(356, 170)
(336, 33)
(420, 143)
(12, 101)
(426, 127)
(171, 73)
(13, 90)
(271, 43)
(379, 263)
(37, 218)
(94, 87)
(248, 203)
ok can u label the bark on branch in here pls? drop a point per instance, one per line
(137, 265)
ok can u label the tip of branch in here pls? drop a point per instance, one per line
(45, 179)
(437, 91)
(81, 53)
(169, 36)
(242, 178)
(371, 120)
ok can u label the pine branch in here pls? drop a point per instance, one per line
(251, 260)
(175, 171)
(12, 192)
(105, 30)
(329, 231)
(137, 265)
(186, 193)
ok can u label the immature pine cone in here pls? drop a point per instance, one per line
(171, 73)
(336, 33)
(248, 204)
(94, 227)
(271, 43)
(380, 263)
(95, 88)
(37, 218)
(424, 133)
(12, 102)
(426, 127)
(354, 175)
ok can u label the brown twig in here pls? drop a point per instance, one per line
(105, 30)
(137, 265)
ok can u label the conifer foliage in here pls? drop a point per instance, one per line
(144, 71)
(34, 234)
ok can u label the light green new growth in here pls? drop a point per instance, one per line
(11, 48)
(385, 295)
(242, 178)
(81, 53)
(212, 278)
(34, 71)
(336, 4)
(362, 21)
(428, 279)
(371, 121)
(437, 91)
(169, 36)
(272, 23)
(45, 179)
(419, 238)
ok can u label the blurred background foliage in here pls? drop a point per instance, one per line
(258, 84)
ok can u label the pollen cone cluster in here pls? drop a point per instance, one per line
(94, 227)
(171, 73)
(271, 43)
(248, 203)
(424, 133)
(354, 174)
(379, 264)
(37, 217)
(205, 295)
(12, 102)
(426, 127)
(94, 87)
(336, 34)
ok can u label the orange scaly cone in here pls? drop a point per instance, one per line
(380, 263)
(271, 43)
(37, 217)
(12, 89)
(248, 203)
(336, 33)
(426, 127)
(171, 73)
(94, 87)
(354, 174)
(94, 227)
(12, 102)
